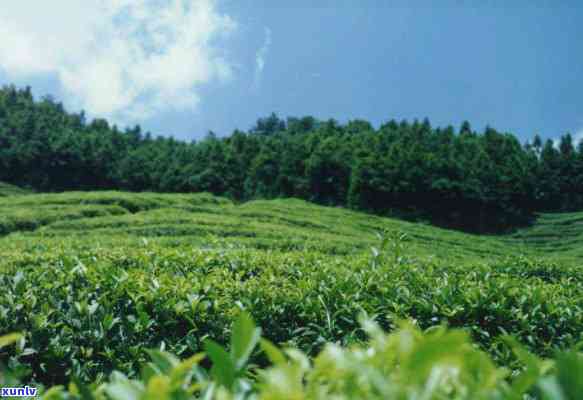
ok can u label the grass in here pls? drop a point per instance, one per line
(94, 279)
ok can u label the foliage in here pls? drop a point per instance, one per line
(90, 294)
(406, 364)
(11, 190)
(392, 244)
(482, 182)
(92, 280)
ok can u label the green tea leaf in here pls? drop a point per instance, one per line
(245, 337)
(164, 361)
(223, 369)
(9, 339)
(123, 390)
(570, 374)
(275, 355)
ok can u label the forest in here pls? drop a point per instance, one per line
(453, 177)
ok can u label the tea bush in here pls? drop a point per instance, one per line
(11, 190)
(406, 364)
(91, 281)
(88, 313)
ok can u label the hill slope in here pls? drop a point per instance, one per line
(557, 235)
(182, 219)
(485, 182)
(102, 276)
(11, 190)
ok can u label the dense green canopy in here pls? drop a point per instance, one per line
(458, 178)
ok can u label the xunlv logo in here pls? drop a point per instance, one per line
(18, 392)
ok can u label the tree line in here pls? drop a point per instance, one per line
(477, 181)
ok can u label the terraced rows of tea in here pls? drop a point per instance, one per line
(174, 220)
(93, 281)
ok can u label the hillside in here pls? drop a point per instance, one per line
(103, 276)
(487, 182)
(289, 224)
(227, 200)
(11, 190)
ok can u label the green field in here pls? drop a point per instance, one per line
(94, 279)
(289, 224)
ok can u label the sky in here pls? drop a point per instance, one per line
(186, 67)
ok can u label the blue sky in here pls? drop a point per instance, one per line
(218, 65)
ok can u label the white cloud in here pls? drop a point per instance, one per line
(122, 59)
(577, 138)
(260, 57)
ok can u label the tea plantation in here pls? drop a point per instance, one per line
(104, 292)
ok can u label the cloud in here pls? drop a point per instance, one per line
(577, 138)
(122, 59)
(260, 57)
